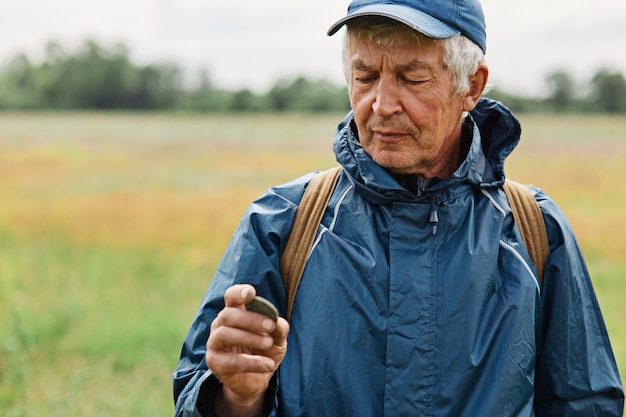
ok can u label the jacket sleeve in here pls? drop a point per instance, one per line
(576, 373)
(252, 257)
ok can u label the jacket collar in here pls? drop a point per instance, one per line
(494, 132)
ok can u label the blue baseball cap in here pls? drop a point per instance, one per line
(437, 19)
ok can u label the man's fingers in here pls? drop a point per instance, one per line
(225, 338)
(240, 318)
(230, 363)
(281, 330)
(239, 294)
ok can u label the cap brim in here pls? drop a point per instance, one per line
(415, 19)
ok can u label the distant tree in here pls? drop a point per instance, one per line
(18, 86)
(516, 103)
(608, 91)
(93, 77)
(102, 78)
(281, 95)
(202, 96)
(157, 87)
(323, 96)
(51, 77)
(561, 89)
(306, 95)
(246, 101)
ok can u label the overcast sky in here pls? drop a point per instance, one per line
(251, 43)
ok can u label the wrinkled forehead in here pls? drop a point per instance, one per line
(400, 57)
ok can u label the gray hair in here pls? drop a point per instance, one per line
(461, 56)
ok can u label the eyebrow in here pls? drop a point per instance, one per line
(415, 64)
(360, 65)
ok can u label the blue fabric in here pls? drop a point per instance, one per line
(398, 315)
(437, 19)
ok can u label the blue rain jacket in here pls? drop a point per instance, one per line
(419, 303)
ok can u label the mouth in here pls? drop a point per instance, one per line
(389, 135)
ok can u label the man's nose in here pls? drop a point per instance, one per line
(387, 100)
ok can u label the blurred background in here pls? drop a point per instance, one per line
(133, 135)
(243, 55)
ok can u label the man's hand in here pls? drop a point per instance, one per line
(244, 351)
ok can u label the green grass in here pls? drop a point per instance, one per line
(111, 226)
(92, 330)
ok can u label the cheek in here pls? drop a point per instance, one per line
(361, 107)
(358, 98)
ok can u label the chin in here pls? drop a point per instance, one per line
(392, 160)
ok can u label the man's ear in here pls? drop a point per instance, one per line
(478, 82)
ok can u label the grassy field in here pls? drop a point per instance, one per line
(111, 226)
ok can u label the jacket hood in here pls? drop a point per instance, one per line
(495, 133)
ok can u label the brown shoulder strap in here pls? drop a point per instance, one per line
(529, 220)
(526, 214)
(305, 225)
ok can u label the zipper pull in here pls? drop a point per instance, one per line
(434, 217)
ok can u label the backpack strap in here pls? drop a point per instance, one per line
(529, 220)
(526, 214)
(305, 225)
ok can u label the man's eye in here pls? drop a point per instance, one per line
(411, 81)
(366, 78)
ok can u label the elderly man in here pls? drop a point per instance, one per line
(419, 297)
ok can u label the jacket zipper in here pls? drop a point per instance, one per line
(434, 216)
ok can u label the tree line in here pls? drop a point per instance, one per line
(104, 78)
(605, 92)
(98, 77)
